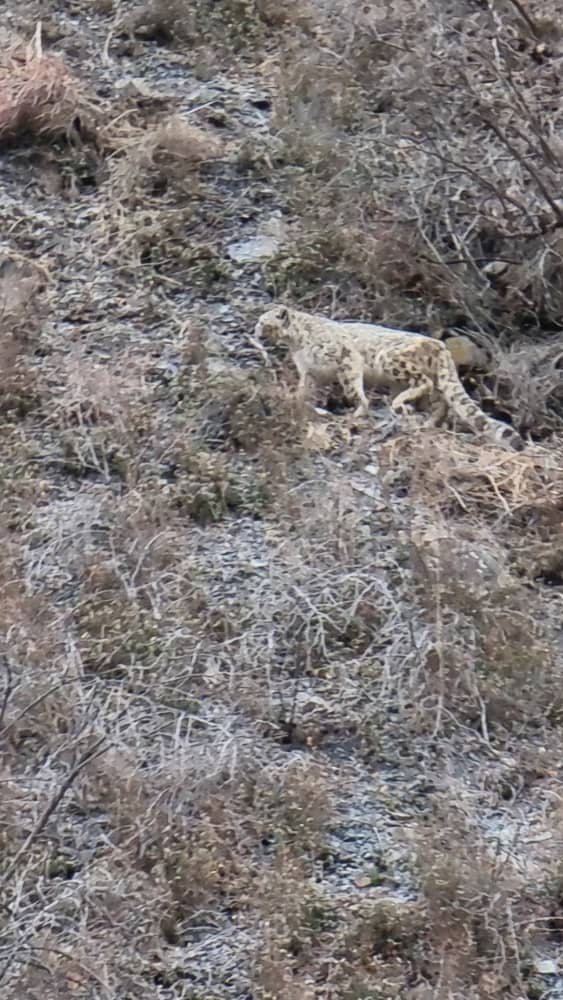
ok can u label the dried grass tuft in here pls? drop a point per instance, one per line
(454, 474)
(173, 145)
(39, 95)
(20, 280)
(527, 383)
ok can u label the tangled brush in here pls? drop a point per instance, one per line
(449, 473)
(38, 94)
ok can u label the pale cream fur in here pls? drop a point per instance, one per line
(362, 354)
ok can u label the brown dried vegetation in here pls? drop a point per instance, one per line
(39, 95)
(280, 691)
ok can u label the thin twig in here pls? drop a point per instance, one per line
(525, 16)
(99, 747)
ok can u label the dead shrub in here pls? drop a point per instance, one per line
(157, 190)
(492, 259)
(213, 854)
(245, 410)
(456, 474)
(117, 630)
(293, 805)
(317, 97)
(22, 483)
(383, 928)
(163, 21)
(492, 662)
(27, 632)
(232, 24)
(183, 143)
(39, 95)
(325, 613)
(203, 866)
(327, 616)
(320, 261)
(163, 157)
(151, 237)
(469, 898)
(525, 383)
(100, 419)
(360, 270)
(21, 282)
(291, 922)
(21, 316)
(207, 486)
(240, 430)
(21, 387)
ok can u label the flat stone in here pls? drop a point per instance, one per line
(254, 249)
(546, 966)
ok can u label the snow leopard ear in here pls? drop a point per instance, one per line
(283, 316)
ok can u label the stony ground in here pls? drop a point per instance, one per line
(282, 692)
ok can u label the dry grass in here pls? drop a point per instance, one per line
(149, 160)
(231, 25)
(40, 96)
(526, 384)
(492, 260)
(157, 191)
(456, 474)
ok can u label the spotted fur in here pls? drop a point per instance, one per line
(359, 354)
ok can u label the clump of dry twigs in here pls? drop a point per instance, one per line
(456, 474)
(480, 232)
(230, 24)
(40, 95)
(168, 153)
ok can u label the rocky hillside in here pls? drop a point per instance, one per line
(281, 691)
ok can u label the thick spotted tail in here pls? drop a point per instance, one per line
(463, 407)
